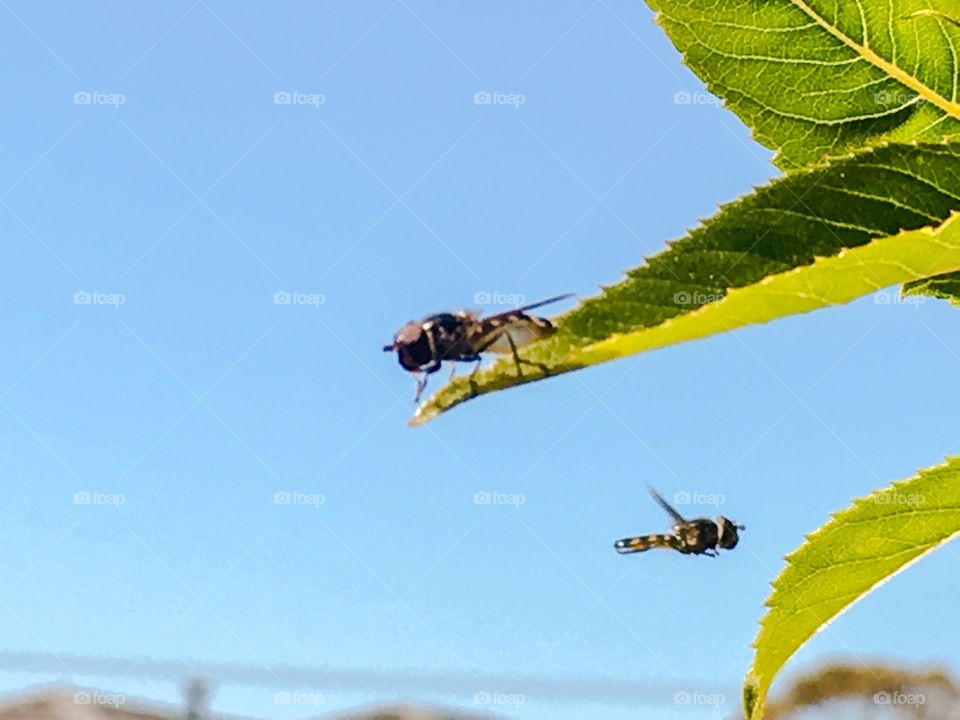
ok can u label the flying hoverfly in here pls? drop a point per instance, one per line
(700, 536)
(462, 336)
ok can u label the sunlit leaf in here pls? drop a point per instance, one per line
(851, 555)
(946, 287)
(814, 238)
(815, 78)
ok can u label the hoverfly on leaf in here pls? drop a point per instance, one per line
(700, 536)
(422, 346)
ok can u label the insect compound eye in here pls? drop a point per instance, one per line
(413, 347)
(408, 334)
(728, 533)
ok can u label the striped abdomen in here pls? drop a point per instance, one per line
(646, 542)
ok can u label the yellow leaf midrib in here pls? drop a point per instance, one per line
(897, 73)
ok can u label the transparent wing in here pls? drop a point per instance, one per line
(541, 303)
(495, 333)
(521, 330)
(668, 508)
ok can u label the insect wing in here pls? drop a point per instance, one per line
(541, 303)
(520, 313)
(496, 332)
(667, 507)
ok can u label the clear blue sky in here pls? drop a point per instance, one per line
(178, 185)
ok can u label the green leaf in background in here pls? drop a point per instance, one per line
(853, 553)
(818, 78)
(831, 281)
(946, 287)
(814, 238)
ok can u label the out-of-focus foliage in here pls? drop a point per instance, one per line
(868, 691)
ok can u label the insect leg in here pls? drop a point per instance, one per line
(422, 381)
(519, 361)
(516, 357)
(473, 385)
(421, 384)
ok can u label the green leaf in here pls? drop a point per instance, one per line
(853, 553)
(818, 78)
(814, 238)
(946, 287)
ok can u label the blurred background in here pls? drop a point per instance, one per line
(214, 214)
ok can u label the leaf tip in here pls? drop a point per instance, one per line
(420, 416)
